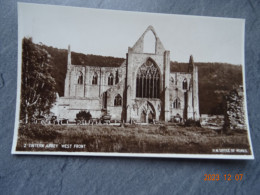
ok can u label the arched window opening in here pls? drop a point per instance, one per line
(110, 79)
(149, 42)
(117, 77)
(104, 100)
(176, 104)
(184, 84)
(95, 79)
(118, 100)
(80, 78)
(148, 80)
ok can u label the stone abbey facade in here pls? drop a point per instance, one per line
(142, 89)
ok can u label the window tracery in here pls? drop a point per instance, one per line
(148, 80)
(118, 100)
(110, 79)
(176, 104)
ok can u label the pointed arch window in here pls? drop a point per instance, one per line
(184, 84)
(148, 80)
(95, 79)
(118, 100)
(117, 77)
(110, 79)
(80, 78)
(176, 104)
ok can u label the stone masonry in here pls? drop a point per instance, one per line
(142, 89)
(234, 111)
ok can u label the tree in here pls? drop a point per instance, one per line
(38, 85)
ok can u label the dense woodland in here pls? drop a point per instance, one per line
(215, 79)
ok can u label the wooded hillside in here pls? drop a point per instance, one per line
(215, 81)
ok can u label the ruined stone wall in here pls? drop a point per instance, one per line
(215, 122)
(170, 87)
(135, 58)
(177, 92)
(87, 89)
(102, 85)
(69, 107)
(88, 96)
(115, 111)
(72, 88)
(142, 105)
(195, 93)
(234, 110)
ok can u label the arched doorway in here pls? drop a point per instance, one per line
(151, 117)
(143, 117)
(148, 113)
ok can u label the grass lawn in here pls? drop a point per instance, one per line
(130, 139)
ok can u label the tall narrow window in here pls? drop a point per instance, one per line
(148, 80)
(117, 77)
(95, 79)
(80, 78)
(105, 100)
(110, 79)
(184, 84)
(118, 100)
(176, 104)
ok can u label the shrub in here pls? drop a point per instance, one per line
(192, 123)
(83, 115)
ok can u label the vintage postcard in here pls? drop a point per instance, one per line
(115, 83)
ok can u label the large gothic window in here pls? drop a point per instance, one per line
(95, 79)
(176, 104)
(110, 79)
(80, 78)
(148, 80)
(184, 84)
(118, 100)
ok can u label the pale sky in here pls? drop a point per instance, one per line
(110, 33)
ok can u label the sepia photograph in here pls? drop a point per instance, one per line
(99, 82)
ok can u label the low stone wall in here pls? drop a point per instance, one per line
(212, 121)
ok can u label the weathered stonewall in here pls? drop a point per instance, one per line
(235, 110)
